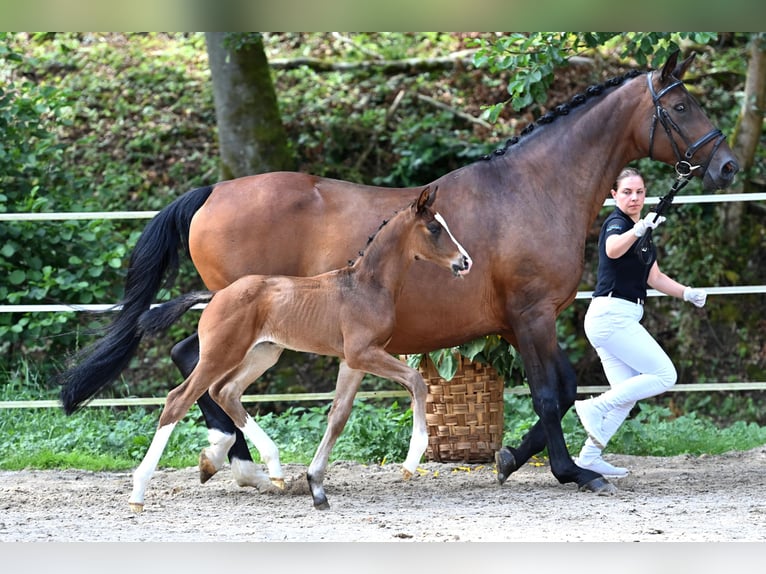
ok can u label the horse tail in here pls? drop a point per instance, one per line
(158, 319)
(154, 260)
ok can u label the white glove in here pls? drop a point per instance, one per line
(695, 296)
(647, 223)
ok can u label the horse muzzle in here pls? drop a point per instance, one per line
(716, 177)
(462, 267)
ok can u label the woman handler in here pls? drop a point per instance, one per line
(634, 363)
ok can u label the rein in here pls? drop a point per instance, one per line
(684, 171)
(683, 166)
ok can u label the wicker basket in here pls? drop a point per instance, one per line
(465, 415)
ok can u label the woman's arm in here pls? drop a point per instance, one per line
(618, 245)
(664, 284)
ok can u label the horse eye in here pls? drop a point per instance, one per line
(680, 107)
(434, 227)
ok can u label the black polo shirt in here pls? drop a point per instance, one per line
(624, 277)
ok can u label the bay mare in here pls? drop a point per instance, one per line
(348, 313)
(526, 208)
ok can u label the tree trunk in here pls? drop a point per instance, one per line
(250, 132)
(747, 134)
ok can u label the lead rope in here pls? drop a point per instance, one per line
(684, 170)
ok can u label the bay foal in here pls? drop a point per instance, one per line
(347, 313)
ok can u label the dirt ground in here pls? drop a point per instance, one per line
(683, 498)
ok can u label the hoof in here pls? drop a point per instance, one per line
(505, 463)
(206, 468)
(279, 483)
(406, 474)
(322, 504)
(600, 486)
(137, 507)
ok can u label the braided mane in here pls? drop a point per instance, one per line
(371, 237)
(591, 92)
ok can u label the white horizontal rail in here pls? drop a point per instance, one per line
(64, 216)
(67, 215)
(102, 308)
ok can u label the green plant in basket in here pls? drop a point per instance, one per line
(491, 350)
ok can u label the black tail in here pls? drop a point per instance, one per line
(157, 320)
(154, 260)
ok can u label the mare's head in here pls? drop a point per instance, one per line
(682, 134)
(431, 239)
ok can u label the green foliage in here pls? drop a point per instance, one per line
(373, 434)
(654, 431)
(68, 109)
(534, 57)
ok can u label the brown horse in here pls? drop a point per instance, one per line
(527, 208)
(348, 313)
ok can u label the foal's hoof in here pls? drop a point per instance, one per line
(600, 486)
(206, 468)
(279, 483)
(137, 507)
(505, 463)
(406, 474)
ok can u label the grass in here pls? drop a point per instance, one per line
(116, 438)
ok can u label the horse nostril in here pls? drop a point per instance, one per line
(731, 168)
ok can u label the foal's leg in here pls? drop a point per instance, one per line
(227, 392)
(346, 387)
(377, 361)
(224, 437)
(176, 406)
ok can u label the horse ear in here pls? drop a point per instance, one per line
(426, 198)
(680, 69)
(674, 69)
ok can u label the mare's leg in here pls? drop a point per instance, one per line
(550, 379)
(224, 437)
(511, 459)
(228, 391)
(346, 386)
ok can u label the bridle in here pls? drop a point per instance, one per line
(683, 165)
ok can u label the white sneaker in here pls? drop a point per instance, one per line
(602, 467)
(592, 421)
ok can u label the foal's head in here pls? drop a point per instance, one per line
(431, 239)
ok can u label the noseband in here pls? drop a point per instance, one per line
(683, 166)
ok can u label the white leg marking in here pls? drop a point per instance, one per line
(220, 443)
(418, 445)
(247, 473)
(145, 470)
(267, 448)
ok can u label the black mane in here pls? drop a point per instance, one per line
(591, 92)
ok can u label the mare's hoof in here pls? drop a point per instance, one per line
(206, 468)
(322, 504)
(600, 486)
(137, 507)
(505, 463)
(406, 474)
(279, 483)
